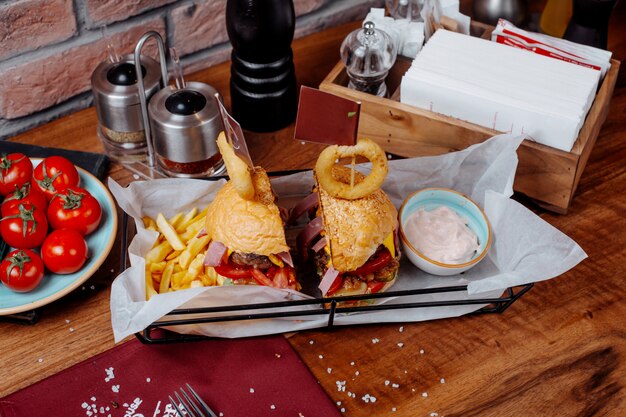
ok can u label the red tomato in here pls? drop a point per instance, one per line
(15, 170)
(230, 270)
(335, 286)
(64, 251)
(74, 208)
(375, 286)
(379, 260)
(24, 226)
(22, 270)
(55, 174)
(25, 194)
(260, 277)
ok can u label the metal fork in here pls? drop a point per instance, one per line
(191, 404)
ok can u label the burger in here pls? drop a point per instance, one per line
(352, 239)
(248, 244)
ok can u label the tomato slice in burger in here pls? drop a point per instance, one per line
(375, 286)
(378, 261)
(228, 270)
(335, 286)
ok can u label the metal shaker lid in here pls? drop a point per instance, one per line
(114, 84)
(185, 122)
(368, 51)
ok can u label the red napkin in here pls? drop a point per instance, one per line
(260, 376)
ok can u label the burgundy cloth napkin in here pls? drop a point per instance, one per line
(260, 376)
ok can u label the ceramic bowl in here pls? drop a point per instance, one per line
(430, 199)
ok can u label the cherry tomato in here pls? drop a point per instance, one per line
(24, 194)
(22, 270)
(74, 208)
(379, 260)
(55, 174)
(16, 169)
(24, 226)
(64, 251)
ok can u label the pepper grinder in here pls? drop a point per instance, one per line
(368, 54)
(183, 123)
(262, 78)
(118, 108)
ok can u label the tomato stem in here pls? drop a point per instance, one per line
(17, 260)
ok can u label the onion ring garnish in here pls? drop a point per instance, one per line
(238, 170)
(364, 147)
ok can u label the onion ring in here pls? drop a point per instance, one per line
(364, 147)
(238, 170)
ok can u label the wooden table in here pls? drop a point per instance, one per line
(558, 351)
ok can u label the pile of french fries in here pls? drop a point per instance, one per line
(176, 261)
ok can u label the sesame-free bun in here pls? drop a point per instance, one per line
(355, 228)
(247, 226)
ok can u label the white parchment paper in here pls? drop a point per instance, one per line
(525, 248)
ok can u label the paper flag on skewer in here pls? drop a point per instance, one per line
(326, 118)
(234, 134)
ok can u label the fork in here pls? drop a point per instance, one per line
(191, 404)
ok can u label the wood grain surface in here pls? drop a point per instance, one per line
(558, 351)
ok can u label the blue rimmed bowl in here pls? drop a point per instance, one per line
(430, 199)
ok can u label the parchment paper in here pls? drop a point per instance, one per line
(525, 248)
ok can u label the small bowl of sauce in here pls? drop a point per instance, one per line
(443, 232)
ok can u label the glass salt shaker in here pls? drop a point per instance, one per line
(368, 54)
(405, 9)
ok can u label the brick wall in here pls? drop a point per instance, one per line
(49, 48)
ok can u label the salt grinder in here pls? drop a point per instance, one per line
(368, 54)
(116, 97)
(184, 123)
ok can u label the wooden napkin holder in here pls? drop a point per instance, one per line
(547, 175)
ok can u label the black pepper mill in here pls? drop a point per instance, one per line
(263, 82)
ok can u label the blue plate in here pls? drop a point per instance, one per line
(100, 242)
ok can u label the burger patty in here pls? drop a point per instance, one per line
(251, 259)
(386, 273)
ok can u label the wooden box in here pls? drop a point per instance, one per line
(545, 174)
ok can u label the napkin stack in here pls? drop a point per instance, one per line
(502, 88)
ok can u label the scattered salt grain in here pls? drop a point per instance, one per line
(375, 340)
(148, 379)
(357, 373)
(67, 321)
(273, 407)
(251, 390)
(401, 329)
(135, 176)
(84, 405)
(40, 360)
(311, 342)
(321, 356)
(302, 142)
(338, 402)
(393, 409)
(343, 410)
(110, 374)
(341, 386)
(424, 394)
(93, 287)
(395, 386)
(400, 345)
(352, 363)
(351, 394)
(387, 382)
(433, 414)
(221, 414)
(71, 330)
(115, 388)
(329, 370)
(389, 156)
(93, 398)
(368, 398)
(277, 355)
(421, 351)
(101, 410)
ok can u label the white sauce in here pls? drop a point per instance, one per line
(441, 235)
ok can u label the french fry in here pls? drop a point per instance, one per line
(159, 252)
(157, 267)
(186, 220)
(169, 232)
(192, 230)
(173, 255)
(149, 223)
(176, 219)
(194, 246)
(150, 291)
(166, 277)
